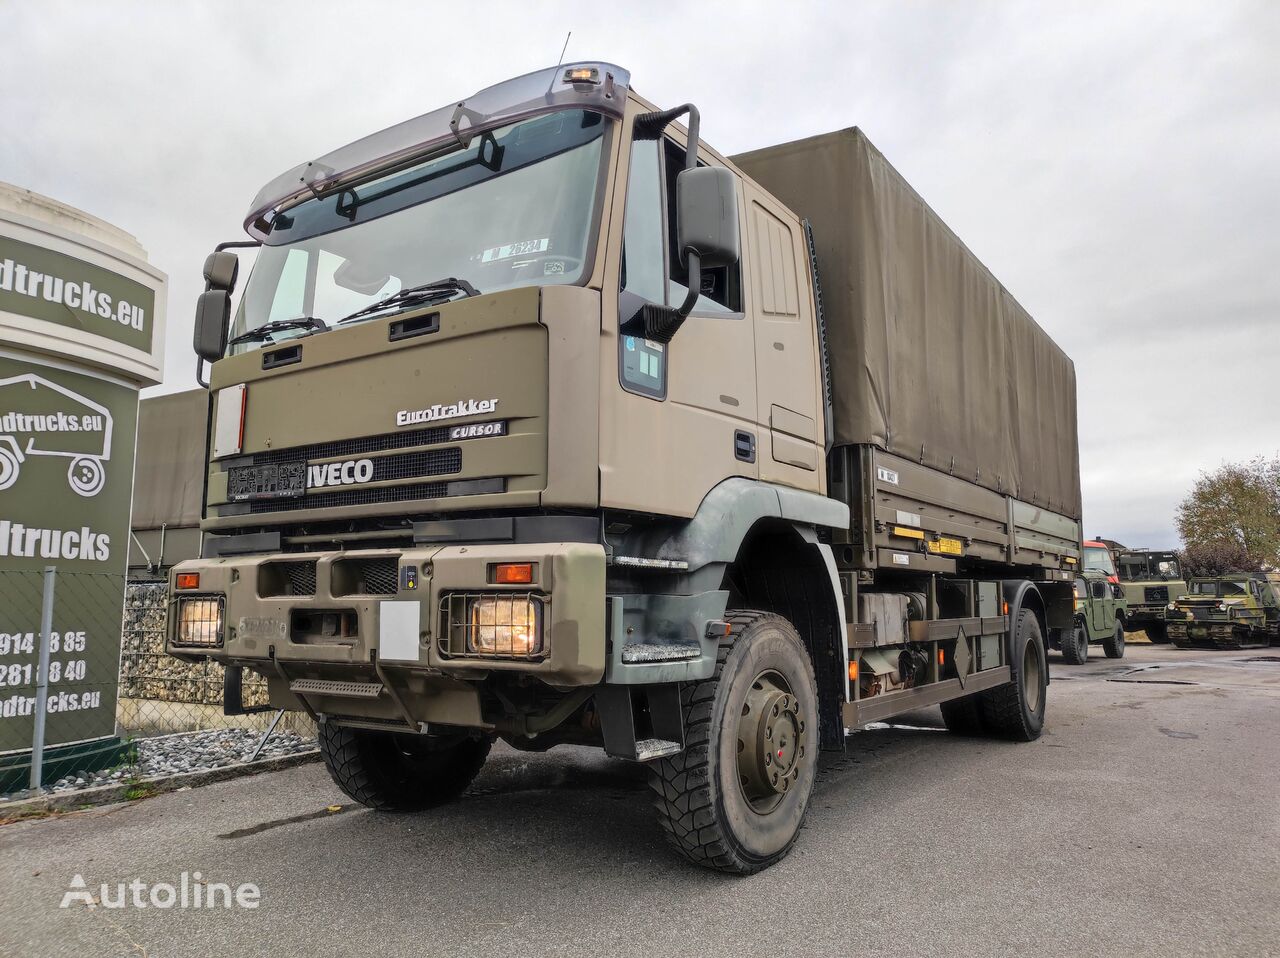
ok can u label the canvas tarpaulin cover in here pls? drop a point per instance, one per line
(931, 358)
(169, 473)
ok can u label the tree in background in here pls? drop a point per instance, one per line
(1235, 506)
(1216, 558)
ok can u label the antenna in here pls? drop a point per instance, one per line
(565, 47)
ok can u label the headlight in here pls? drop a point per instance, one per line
(1172, 607)
(508, 626)
(200, 621)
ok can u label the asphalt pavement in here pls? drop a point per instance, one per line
(1146, 821)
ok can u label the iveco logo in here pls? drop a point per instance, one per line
(349, 473)
(463, 407)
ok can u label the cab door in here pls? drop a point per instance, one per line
(673, 416)
(1099, 608)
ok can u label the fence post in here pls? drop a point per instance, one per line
(42, 677)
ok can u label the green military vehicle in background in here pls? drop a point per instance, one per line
(1151, 580)
(542, 420)
(1240, 610)
(1099, 617)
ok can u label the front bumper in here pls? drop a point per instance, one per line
(334, 627)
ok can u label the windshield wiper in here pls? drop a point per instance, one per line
(440, 289)
(266, 329)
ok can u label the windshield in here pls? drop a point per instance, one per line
(1099, 558)
(517, 208)
(1224, 588)
(1137, 566)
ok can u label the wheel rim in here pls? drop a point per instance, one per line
(1031, 678)
(772, 740)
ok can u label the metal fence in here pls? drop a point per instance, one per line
(73, 673)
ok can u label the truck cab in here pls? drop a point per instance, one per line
(1226, 612)
(1150, 579)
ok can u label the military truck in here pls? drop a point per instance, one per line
(1151, 579)
(1234, 611)
(542, 420)
(1100, 617)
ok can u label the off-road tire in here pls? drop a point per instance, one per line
(700, 802)
(964, 716)
(1012, 710)
(1157, 633)
(400, 772)
(1114, 646)
(1075, 645)
(1180, 640)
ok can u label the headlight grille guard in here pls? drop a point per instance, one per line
(460, 636)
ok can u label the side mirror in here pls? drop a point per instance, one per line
(213, 316)
(213, 308)
(707, 235)
(707, 218)
(221, 270)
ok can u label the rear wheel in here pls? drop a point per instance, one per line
(735, 798)
(1114, 646)
(1075, 645)
(400, 772)
(1016, 710)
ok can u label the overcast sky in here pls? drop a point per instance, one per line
(1116, 165)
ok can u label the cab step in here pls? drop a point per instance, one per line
(345, 690)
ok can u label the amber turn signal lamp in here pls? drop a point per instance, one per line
(188, 580)
(853, 671)
(513, 573)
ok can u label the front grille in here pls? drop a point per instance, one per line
(286, 578)
(374, 575)
(346, 448)
(352, 497)
(1157, 593)
(433, 462)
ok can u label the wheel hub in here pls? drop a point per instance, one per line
(771, 741)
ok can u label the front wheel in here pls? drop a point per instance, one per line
(1114, 646)
(400, 772)
(735, 798)
(1075, 645)
(1156, 632)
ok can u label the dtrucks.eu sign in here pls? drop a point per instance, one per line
(57, 288)
(66, 478)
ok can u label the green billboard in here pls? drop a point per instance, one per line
(44, 284)
(66, 477)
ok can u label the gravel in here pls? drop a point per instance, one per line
(185, 752)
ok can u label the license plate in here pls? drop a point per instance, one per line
(947, 547)
(273, 480)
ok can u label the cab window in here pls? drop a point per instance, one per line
(653, 270)
(721, 289)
